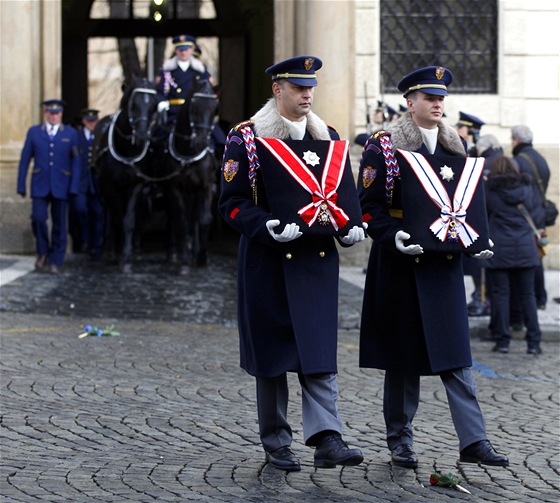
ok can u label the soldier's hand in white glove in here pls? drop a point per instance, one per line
(400, 238)
(290, 232)
(163, 106)
(483, 255)
(355, 235)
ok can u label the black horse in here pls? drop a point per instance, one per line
(125, 161)
(191, 166)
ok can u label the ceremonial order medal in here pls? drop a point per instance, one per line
(323, 217)
(452, 232)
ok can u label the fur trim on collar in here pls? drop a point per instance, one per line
(269, 123)
(172, 64)
(406, 135)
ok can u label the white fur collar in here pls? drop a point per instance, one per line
(269, 123)
(172, 64)
(406, 135)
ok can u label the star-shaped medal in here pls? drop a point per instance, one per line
(446, 173)
(311, 158)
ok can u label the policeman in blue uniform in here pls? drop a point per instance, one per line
(175, 78)
(468, 126)
(414, 315)
(86, 210)
(287, 282)
(55, 175)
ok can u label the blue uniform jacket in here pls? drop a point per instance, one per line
(56, 169)
(173, 83)
(87, 185)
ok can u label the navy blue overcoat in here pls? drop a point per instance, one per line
(414, 313)
(287, 292)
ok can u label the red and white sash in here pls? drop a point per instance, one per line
(324, 195)
(452, 215)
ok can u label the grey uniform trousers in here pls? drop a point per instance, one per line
(400, 403)
(319, 408)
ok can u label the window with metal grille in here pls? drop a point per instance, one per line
(459, 35)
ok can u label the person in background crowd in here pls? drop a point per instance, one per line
(488, 147)
(56, 175)
(534, 164)
(414, 314)
(509, 198)
(468, 126)
(287, 281)
(86, 211)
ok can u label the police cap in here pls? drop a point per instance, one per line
(470, 121)
(429, 80)
(53, 106)
(299, 71)
(90, 114)
(184, 41)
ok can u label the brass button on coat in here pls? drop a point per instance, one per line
(449, 257)
(321, 254)
(417, 260)
(289, 256)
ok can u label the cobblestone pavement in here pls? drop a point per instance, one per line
(164, 413)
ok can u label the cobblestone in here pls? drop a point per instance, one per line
(164, 413)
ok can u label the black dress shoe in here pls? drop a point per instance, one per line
(41, 263)
(534, 350)
(332, 451)
(501, 348)
(283, 459)
(404, 455)
(483, 452)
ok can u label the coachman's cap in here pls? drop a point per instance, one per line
(470, 121)
(299, 71)
(403, 109)
(429, 80)
(197, 51)
(90, 114)
(184, 42)
(53, 106)
(380, 106)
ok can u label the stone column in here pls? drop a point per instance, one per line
(322, 28)
(30, 38)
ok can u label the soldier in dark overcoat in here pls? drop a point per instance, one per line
(414, 315)
(287, 282)
(56, 174)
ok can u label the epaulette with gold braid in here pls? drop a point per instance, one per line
(379, 133)
(241, 125)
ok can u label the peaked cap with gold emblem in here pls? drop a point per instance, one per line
(299, 71)
(429, 80)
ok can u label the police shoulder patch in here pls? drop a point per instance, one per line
(368, 176)
(230, 169)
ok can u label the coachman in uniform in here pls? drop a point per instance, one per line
(288, 261)
(414, 315)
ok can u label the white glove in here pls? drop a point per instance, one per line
(402, 236)
(355, 235)
(163, 106)
(290, 232)
(483, 255)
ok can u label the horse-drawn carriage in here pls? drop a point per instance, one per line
(137, 157)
